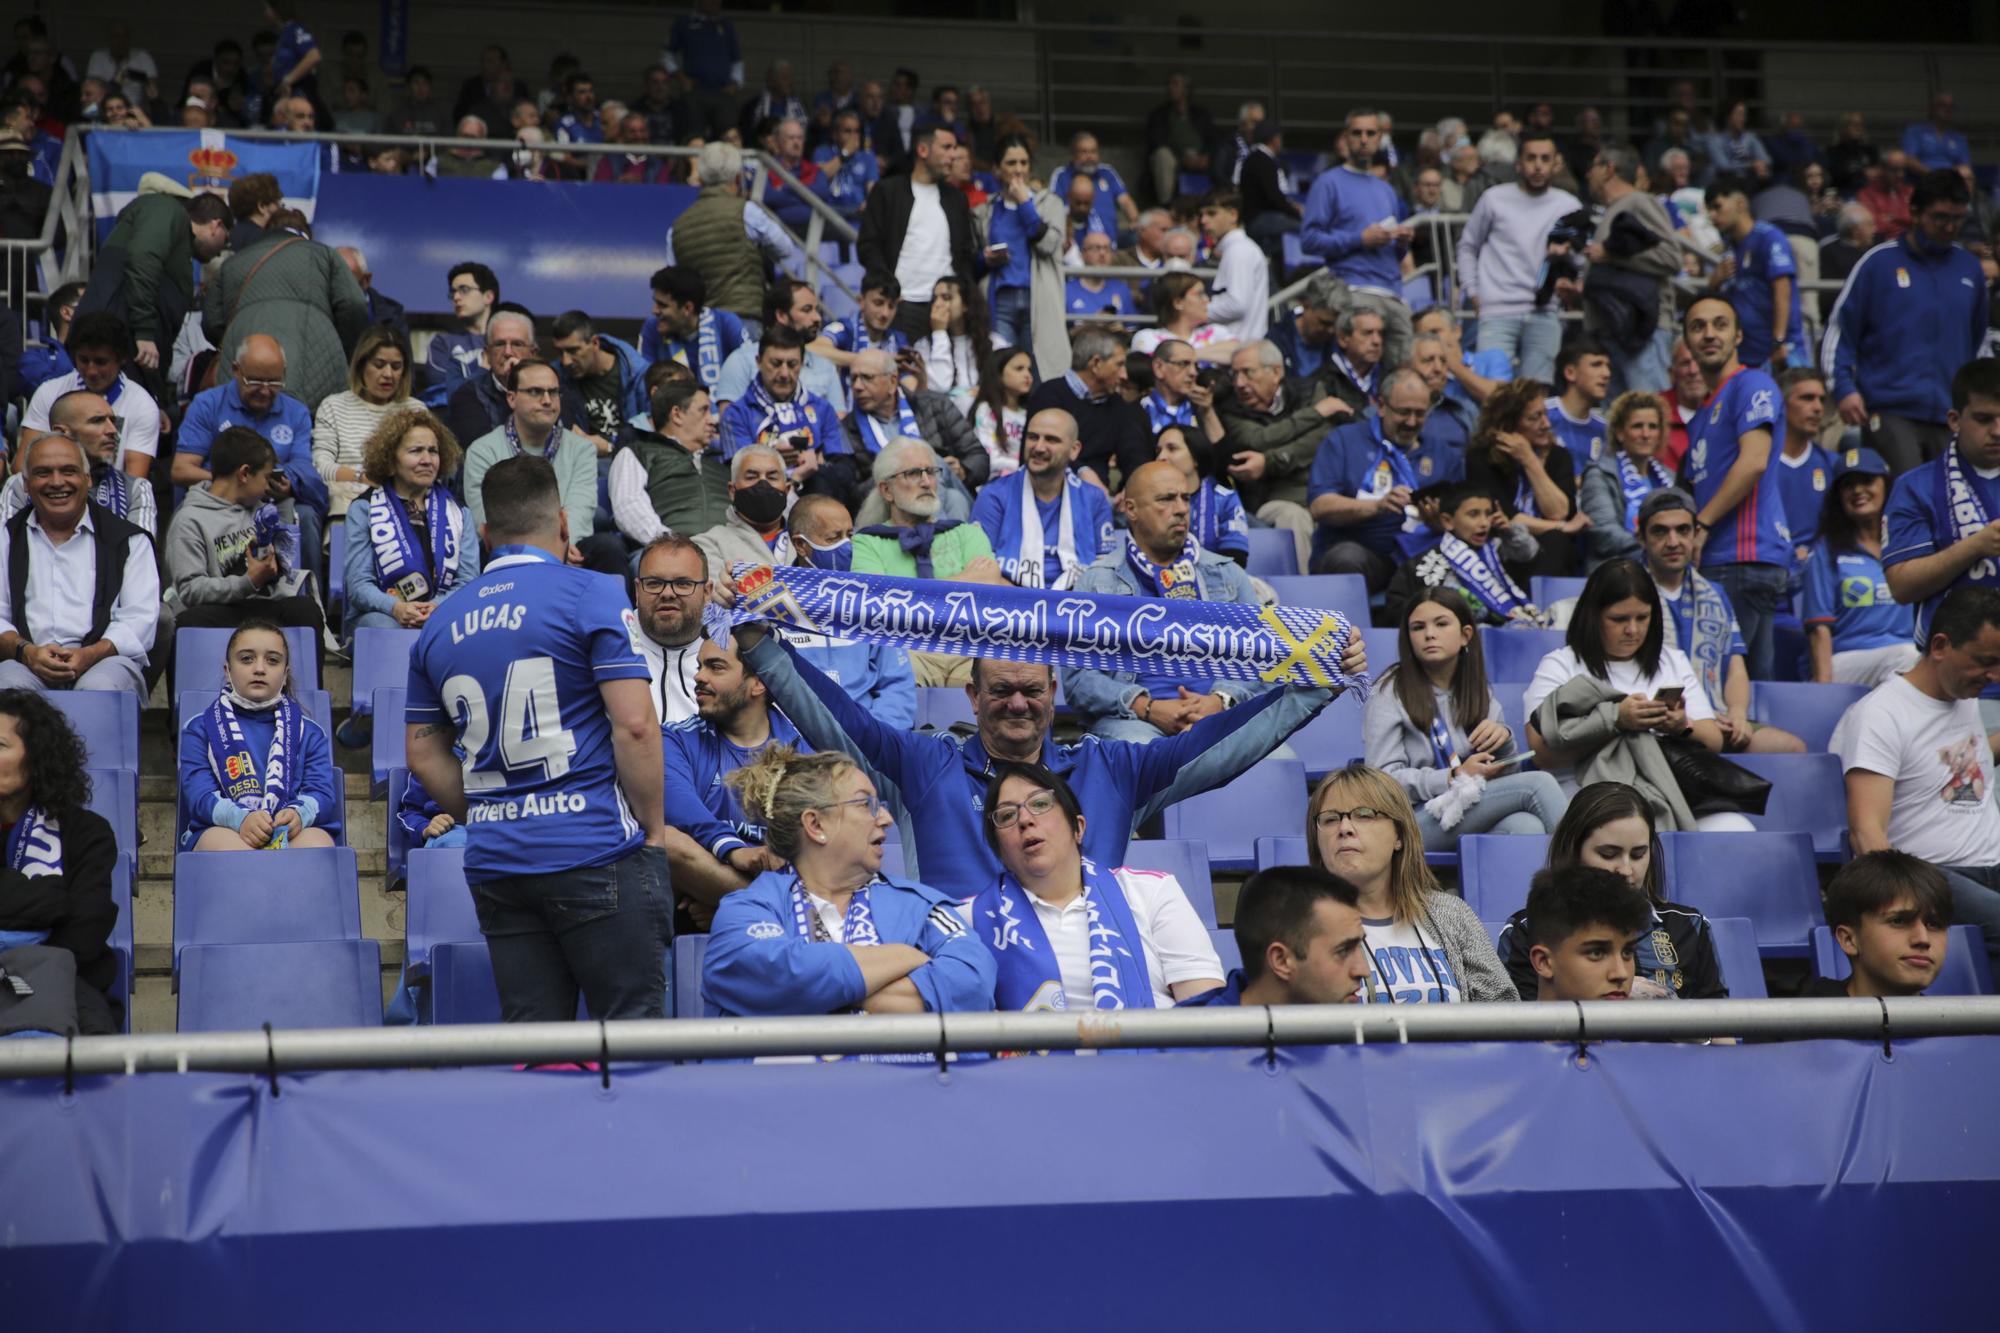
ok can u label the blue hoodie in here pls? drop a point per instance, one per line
(937, 781)
(631, 376)
(1904, 324)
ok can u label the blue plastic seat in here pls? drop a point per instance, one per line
(1808, 795)
(1513, 654)
(114, 793)
(1494, 870)
(1808, 711)
(438, 907)
(1512, 697)
(1345, 593)
(1281, 849)
(689, 950)
(198, 657)
(1966, 969)
(1770, 878)
(1191, 184)
(381, 659)
(386, 729)
(1332, 740)
(1186, 861)
(1294, 253)
(1382, 645)
(123, 871)
(238, 898)
(1736, 952)
(1269, 797)
(462, 989)
(1544, 590)
(106, 721)
(1227, 949)
(311, 984)
(938, 706)
(1272, 551)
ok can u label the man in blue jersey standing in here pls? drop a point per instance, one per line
(1759, 277)
(1746, 543)
(534, 671)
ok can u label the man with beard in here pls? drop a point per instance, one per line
(788, 304)
(670, 592)
(1503, 253)
(1356, 222)
(686, 328)
(1045, 524)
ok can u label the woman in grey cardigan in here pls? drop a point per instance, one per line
(1613, 486)
(1431, 719)
(1426, 945)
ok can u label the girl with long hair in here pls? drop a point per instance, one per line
(1000, 409)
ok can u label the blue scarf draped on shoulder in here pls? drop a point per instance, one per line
(915, 541)
(413, 572)
(1029, 975)
(235, 768)
(35, 848)
(1708, 649)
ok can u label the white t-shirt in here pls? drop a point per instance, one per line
(1937, 755)
(672, 672)
(1410, 966)
(926, 254)
(138, 415)
(1176, 943)
(1562, 666)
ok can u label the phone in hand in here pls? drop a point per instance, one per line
(1670, 696)
(1512, 760)
(999, 248)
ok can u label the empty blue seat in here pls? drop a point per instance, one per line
(386, 729)
(1771, 878)
(1808, 795)
(198, 656)
(1544, 590)
(1270, 797)
(114, 793)
(1295, 255)
(1186, 861)
(462, 989)
(1808, 711)
(1512, 697)
(1966, 969)
(1226, 949)
(1281, 849)
(1513, 654)
(1191, 184)
(1494, 870)
(311, 984)
(106, 721)
(939, 706)
(381, 658)
(1345, 593)
(1736, 952)
(1272, 551)
(438, 907)
(1333, 739)
(245, 898)
(689, 950)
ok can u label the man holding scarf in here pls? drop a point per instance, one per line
(91, 421)
(1700, 622)
(1046, 525)
(1943, 520)
(1364, 479)
(687, 329)
(1157, 558)
(533, 429)
(778, 413)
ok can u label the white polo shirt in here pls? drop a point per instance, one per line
(1176, 943)
(138, 415)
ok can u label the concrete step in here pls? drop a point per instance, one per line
(367, 824)
(160, 785)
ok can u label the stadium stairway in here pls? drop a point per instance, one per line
(153, 999)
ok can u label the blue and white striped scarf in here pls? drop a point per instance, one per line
(1030, 977)
(1480, 570)
(235, 769)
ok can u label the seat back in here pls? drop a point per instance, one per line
(1545, 590)
(1808, 795)
(228, 898)
(309, 984)
(1335, 738)
(336, 571)
(1511, 695)
(1345, 593)
(114, 793)
(1226, 949)
(1494, 870)
(1268, 797)
(1186, 861)
(1736, 952)
(1770, 878)
(1966, 969)
(939, 706)
(440, 908)
(1281, 849)
(386, 729)
(462, 989)
(106, 721)
(381, 659)
(1513, 654)
(1272, 551)
(199, 652)
(1808, 711)
(689, 950)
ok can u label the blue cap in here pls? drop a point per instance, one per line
(1859, 462)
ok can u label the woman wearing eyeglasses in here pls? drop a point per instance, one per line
(1427, 945)
(1067, 933)
(833, 934)
(408, 542)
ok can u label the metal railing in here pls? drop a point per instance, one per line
(36, 266)
(940, 1035)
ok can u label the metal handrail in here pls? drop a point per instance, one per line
(68, 216)
(1257, 1027)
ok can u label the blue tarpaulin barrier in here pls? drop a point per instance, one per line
(555, 246)
(1803, 1187)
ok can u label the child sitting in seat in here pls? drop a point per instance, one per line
(256, 772)
(1585, 925)
(1477, 537)
(424, 821)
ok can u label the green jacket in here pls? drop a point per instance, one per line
(689, 492)
(145, 270)
(951, 552)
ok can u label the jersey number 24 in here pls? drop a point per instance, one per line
(531, 730)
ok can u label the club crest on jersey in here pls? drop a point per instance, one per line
(1819, 478)
(764, 930)
(1760, 401)
(1902, 277)
(1663, 949)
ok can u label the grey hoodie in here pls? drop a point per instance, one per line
(208, 546)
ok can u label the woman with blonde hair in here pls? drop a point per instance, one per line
(832, 933)
(1427, 946)
(1618, 482)
(408, 541)
(378, 383)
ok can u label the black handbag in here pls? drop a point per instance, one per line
(1710, 784)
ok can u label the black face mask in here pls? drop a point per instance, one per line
(759, 504)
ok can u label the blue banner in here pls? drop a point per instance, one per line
(196, 159)
(392, 49)
(1156, 636)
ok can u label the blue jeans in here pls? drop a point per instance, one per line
(1651, 370)
(1530, 341)
(1975, 901)
(1512, 803)
(1010, 316)
(1754, 591)
(603, 928)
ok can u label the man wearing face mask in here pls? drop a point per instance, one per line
(875, 675)
(1914, 310)
(754, 533)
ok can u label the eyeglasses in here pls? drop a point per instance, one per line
(263, 384)
(463, 289)
(1008, 813)
(539, 391)
(874, 804)
(914, 474)
(653, 587)
(1178, 363)
(1361, 815)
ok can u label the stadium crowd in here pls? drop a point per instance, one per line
(1579, 408)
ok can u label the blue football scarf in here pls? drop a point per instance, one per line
(1711, 634)
(916, 542)
(34, 847)
(1179, 580)
(235, 769)
(1961, 503)
(1160, 416)
(859, 925)
(111, 489)
(1480, 570)
(1030, 976)
(1638, 485)
(1442, 749)
(875, 434)
(414, 573)
(1201, 514)
(708, 349)
(548, 454)
(1280, 645)
(784, 418)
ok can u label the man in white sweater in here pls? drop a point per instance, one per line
(1240, 306)
(1500, 259)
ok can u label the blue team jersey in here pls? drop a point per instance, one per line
(294, 45)
(514, 660)
(1113, 298)
(1354, 460)
(1584, 439)
(1762, 257)
(1755, 532)
(1804, 484)
(1919, 522)
(1849, 592)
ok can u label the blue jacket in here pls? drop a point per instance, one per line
(632, 366)
(1904, 324)
(752, 969)
(741, 419)
(697, 758)
(875, 675)
(204, 806)
(937, 782)
(1101, 694)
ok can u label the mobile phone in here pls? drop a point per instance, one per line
(999, 247)
(1513, 759)
(1669, 696)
